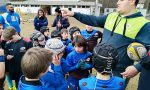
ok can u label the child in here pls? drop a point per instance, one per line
(34, 64)
(104, 59)
(78, 62)
(14, 50)
(55, 76)
(56, 34)
(38, 39)
(64, 35)
(45, 31)
(92, 36)
(74, 31)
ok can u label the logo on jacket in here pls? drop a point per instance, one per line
(23, 49)
(84, 84)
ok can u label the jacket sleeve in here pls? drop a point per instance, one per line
(2, 20)
(69, 63)
(97, 21)
(143, 37)
(66, 23)
(36, 23)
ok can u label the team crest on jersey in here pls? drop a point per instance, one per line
(84, 84)
(96, 35)
(121, 83)
(23, 49)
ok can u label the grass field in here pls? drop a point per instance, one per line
(27, 28)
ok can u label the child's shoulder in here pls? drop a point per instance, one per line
(119, 81)
(87, 83)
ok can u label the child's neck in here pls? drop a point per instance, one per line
(102, 77)
(27, 79)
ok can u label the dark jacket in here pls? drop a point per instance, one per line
(64, 22)
(39, 22)
(118, 40)
(17, 49)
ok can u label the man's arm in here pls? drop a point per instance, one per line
(97, 21)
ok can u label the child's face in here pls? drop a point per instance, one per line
(46, 33)
(78, 49)
(64, 35)
(76, 33)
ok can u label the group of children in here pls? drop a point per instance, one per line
(56, 62)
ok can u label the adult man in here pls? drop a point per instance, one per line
(121, 28)
(10, 18)
(92, 36)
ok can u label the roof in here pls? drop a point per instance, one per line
(55, 3)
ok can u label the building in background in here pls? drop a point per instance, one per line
(2, 6)
(32, 6)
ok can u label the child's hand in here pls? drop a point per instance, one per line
(9, 57)
(85, 66)
(56, 60)
(78, 65)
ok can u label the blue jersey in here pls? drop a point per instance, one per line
(54, 79)
(63, 65)
(91, 37)
(10, 19)
(69, 48)
(66, 42)
(114, 83)
(31, 85)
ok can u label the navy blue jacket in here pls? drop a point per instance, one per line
(64, 22)
(117, 40)
(40, 22)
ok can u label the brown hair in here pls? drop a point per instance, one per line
(9, 32)
(41, 11)
(80, 41)
(36, 61)
(64, 31)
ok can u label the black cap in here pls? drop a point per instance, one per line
(58, 10)
(105, 58)
(72, 30)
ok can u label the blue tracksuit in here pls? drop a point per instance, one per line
(76, 74)
(11, 19)
(91, 37)
(54, 79)
(92, 83)
(40, 22)
(31, 85)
